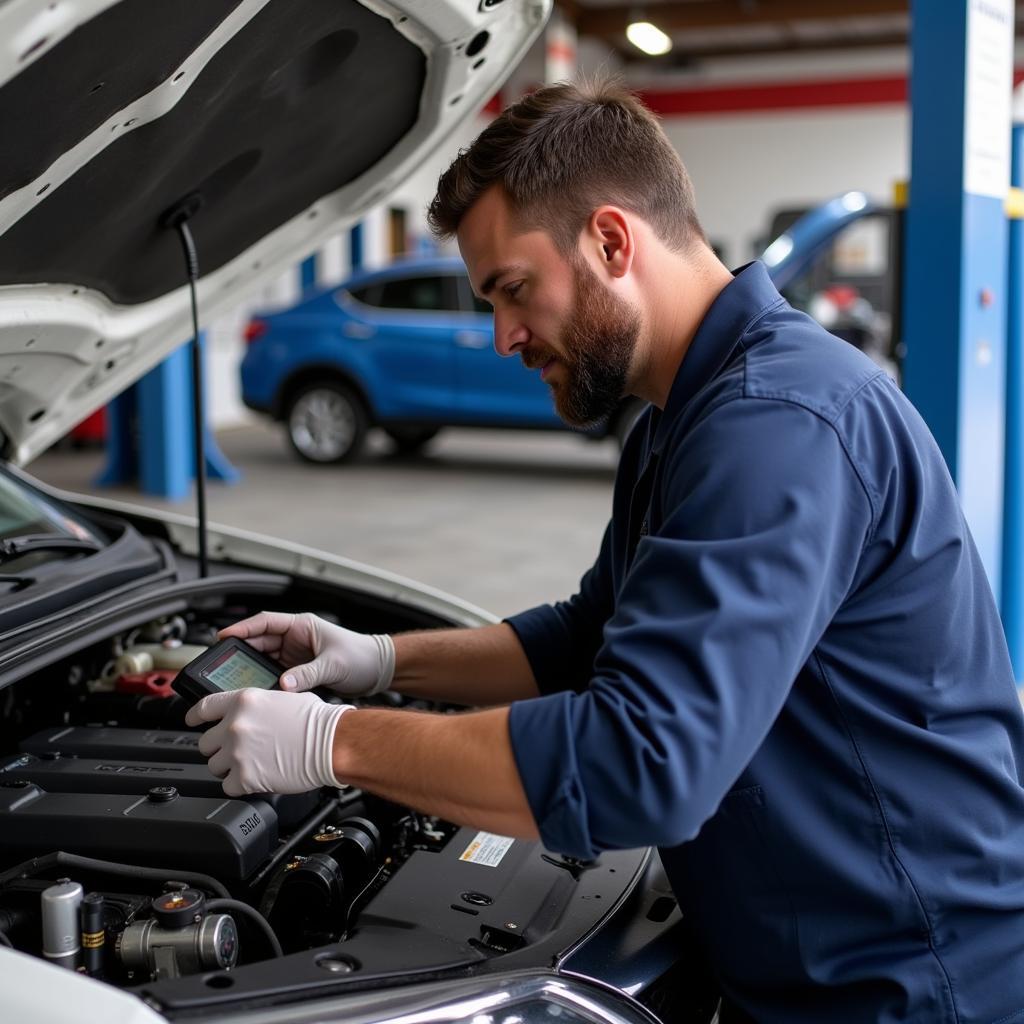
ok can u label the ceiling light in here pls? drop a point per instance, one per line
(649, 38)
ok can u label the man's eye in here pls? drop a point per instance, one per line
(511, 289)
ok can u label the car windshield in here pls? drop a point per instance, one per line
(26, 513)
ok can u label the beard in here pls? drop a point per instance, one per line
(597, 344)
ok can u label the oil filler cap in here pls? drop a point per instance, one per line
(162, 794)
(179, 909)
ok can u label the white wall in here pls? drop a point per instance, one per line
(746, 166)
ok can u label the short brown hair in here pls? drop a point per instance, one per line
(566, 149)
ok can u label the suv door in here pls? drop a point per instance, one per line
(491, 388)
(409, 322)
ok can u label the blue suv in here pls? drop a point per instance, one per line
(408, 348)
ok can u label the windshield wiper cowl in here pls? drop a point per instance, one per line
(14, 547)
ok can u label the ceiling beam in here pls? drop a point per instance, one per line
(682, 56)
(605, 21)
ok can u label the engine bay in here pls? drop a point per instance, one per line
(113, 796)
(121, 857)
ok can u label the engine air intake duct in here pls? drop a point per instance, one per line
(226, 838)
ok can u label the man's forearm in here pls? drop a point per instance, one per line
(476, 667)
(458, 767)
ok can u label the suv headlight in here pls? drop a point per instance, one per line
(524, 998)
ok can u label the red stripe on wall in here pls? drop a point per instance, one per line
(761, 96)
(777, 96)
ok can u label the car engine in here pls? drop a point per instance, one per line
(120, 855)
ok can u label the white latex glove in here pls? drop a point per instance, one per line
(267, 741)
(318, 653)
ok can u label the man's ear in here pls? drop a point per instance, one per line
(609, 235)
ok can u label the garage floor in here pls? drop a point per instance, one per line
(503, 519)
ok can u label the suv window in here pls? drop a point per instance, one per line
(423, 294)
(367, 295)
(470, 300)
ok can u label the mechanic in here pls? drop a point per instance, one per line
(785, 668)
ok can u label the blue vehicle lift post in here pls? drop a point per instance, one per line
(355, 247)
(307, 273)
(149, 434)
(956, 248)
(1013, 506)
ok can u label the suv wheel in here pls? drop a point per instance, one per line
(326, 423)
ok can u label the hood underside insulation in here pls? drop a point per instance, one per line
(302, 100)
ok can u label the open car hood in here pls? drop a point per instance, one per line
(287, 118)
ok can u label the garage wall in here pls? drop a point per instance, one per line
(755, 139)
(743, 172)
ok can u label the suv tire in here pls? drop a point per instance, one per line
(326, 422)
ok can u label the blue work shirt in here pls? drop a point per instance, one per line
(786, 669)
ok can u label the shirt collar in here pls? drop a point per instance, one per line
(737, 306)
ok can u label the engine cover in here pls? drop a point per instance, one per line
(222, 837)
(128, 744)
(99, 775)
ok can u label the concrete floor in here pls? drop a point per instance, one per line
(503, 519)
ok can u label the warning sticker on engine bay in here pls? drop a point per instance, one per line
(487, 849)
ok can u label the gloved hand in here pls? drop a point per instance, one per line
(267, 741)
(320, 653)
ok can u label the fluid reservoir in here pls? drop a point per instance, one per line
(61, 932)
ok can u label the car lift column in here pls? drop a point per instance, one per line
(1013, 505)
(149, 434)
(308, 273)
(955, 258)
(355, 247)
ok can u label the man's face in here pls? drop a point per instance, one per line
(553, 312)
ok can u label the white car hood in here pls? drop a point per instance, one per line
(37, 992)
(289, 118)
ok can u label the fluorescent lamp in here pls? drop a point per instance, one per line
(649, 38)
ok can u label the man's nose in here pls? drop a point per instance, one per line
(510, 334)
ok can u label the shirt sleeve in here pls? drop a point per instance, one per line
(764, 521)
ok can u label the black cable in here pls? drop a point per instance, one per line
(61, 859)
(350, 913)
(251, 914)
(192, 269)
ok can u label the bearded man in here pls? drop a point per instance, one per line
(785, 668)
